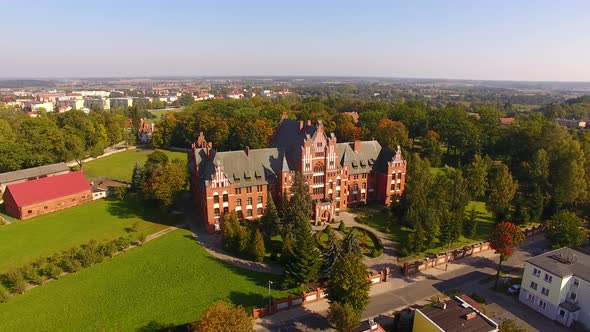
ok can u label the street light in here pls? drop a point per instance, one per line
(269, 298)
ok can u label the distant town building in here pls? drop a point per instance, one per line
(41, 196)
(122, 102)
(507, 121)
(87, 93)
(36, 106)
(571, 123)
(355, 116)
(141, 100)
(339, 174)
(456, 315)
(557, 284)
(97, 103)
(236, 94)
(76, 104)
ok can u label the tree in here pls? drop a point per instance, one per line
(504, 239)
(138, 178)
(477, 177)
(228, 230)
(351, 244)
(164, 184)
(271, 223)
(391, 134)
(155, 159)
(329, 257)
(349, 282)
(256, 249)
(224, 317)
(565, 229)
(502, 193)
(343, 317)
(508, 325)
(431, 147)
(300, 206)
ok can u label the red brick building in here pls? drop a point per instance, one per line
(36, 197)
(339, 174)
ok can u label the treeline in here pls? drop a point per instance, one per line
(68, 261)
(55, 137)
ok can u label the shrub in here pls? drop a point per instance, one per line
(3, 296)
(109, 248)
(374, 253)
(122, 243)
(15, 281)
(329, 231)
(141, 239)
(52, 271)
(341, 227)
(119, 193)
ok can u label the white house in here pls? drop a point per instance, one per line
(557, 284)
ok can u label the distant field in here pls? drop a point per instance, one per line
(167, 282)
(119, 166)
(26, 240)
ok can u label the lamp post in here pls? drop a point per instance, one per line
(448, 251)
(269, 298)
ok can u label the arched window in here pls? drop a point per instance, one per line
(216, 198)
(319, 168)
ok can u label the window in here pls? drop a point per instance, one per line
(534, 285)
(548, 278)
(225, 197)
(330, 197)
(259, 211)
(337, 205)
(392, 187)
(363, 196)
(249, 213)
(398, 186)
(248, 190)
(238, 191)
(576, 282)
(45, 207)
(239, 202)
(241, 214)
(338, 193)
(542, 304)
(216, 212)
(259, 188)
(536, 272)
(338, 182)
(561, 313)
(573, 296)
(356, 176)
(364, 175)
(355, 187)
(364, 186)
(216, 199)
(249, 201)
(545, 291)
(30, 211)
(225, 210)
(259, 200)
(73, 199)
(530, 297)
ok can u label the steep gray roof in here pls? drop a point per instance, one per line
(288, 134)
(262, 166)
(564, 262)
(34, 172)
(362, 161)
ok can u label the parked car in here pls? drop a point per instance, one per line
(514, 289)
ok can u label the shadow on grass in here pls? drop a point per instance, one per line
(154, 326)
(133, 205)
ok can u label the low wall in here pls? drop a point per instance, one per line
(319, 294)
(409, 269)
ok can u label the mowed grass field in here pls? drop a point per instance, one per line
(26, 240)
(119, 166)
(167, 282)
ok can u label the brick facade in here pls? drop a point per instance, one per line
(339, 174)
(40, 208)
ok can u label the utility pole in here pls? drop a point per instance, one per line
(269, 298)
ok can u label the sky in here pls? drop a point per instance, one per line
(536, 40)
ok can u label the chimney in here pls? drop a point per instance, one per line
(470, 316)
(357, 146)
(300, 124)
(248, 151)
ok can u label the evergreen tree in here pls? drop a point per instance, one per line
(271, 223)
(351, 244)
(349, 283)
(242, 240)
(257, 250)
(300, 207)
(138, 178)
(329, 256)
(343, 317)
(470, 223)
(288, 249)
(305, 263)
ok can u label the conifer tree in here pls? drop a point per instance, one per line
(349, 283)
(351, 244)
(271, 223)
(137, 178)
(329, 257)
(228, 231)
(257, 249)
(288, 249)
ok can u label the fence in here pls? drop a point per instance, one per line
(409, 269)
(319, 294)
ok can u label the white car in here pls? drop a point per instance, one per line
(514, 289)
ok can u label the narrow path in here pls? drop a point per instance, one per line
(6, 221)
(212, 243)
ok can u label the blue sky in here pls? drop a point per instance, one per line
(499, 40)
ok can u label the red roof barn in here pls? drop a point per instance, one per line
(36, 197)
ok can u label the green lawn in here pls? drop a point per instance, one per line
(27, 240)
(398, 234)
(167, 282)
(119, 166)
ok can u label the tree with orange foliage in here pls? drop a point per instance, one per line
(504, 240)
(392, 133)
(223, 317)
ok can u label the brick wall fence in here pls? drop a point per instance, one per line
(318, 294)
(409, 269)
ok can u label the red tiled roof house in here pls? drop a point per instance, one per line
(36, 197)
